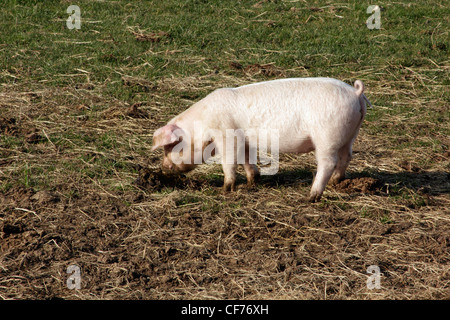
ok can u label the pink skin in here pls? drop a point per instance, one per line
(319, 114)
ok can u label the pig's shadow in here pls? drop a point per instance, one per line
(370, 181)
(392, 183)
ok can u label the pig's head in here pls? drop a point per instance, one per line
(177, 144)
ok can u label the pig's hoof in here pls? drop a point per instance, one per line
(252, 179)
(251, 185)
(336, 179)
(314, 197)
(228, 187)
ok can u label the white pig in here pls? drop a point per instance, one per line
(320, 114)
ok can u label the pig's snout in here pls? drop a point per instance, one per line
(167, 164)
(168, 167)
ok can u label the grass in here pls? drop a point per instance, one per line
(71, 147)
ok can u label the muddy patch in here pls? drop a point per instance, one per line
(269, 70)
(364, 185)
(8, 126)
(154, 179)
(151, 36)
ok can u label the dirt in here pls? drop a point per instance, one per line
(133, 111)
(151, 36)
(363, 184)
(132, 245)
(138, 232)
(268, 70)
(155, 179)
(8, 126)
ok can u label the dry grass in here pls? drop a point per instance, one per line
(77, 203)
(78, 184)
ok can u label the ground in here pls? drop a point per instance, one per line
(79, 185)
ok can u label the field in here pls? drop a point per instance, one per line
(79, 185)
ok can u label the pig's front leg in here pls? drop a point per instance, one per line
(251, 170)
(252, 173)
(228, 166)
(229, 171)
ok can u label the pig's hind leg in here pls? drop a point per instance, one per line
(344, 157)
(326, 163)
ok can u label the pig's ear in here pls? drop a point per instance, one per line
(165, 135)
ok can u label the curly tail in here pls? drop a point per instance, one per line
(359, 86)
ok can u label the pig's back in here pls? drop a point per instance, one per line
(297, 103)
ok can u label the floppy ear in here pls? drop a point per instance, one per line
(165, 135)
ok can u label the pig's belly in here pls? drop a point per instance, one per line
(296, 146)
(285, 144)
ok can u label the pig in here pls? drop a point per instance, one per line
(323, 115)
